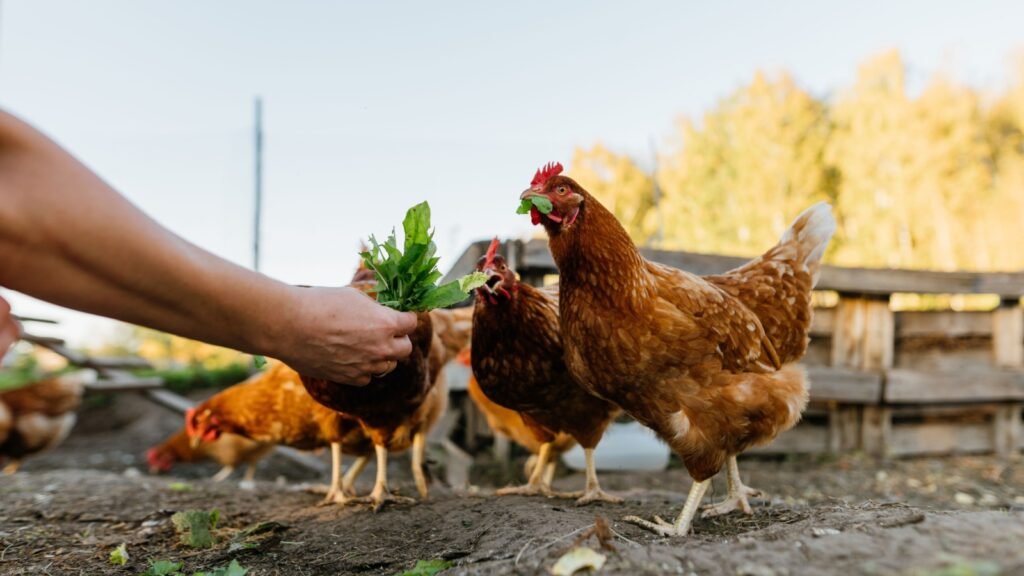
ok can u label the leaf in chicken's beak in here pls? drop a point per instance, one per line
(471, 281)
(542, 204)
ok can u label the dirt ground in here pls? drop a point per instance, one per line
(64, 512)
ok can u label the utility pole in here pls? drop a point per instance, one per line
(257, 185)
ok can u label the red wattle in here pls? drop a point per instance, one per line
(534, 215)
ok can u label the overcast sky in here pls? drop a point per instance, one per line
(371, 107)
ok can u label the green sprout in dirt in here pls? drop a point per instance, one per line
(542, 204)
(426, 568)
(194, 527)
(168, 568)
(407, 278)
(119, 557)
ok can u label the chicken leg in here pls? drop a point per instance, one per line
(535, 486)
(335, 493)
(685, 519)
(348, 482)
(381, 495)
(737, 498)
(223, 474)
(592, 492)
(419, 448)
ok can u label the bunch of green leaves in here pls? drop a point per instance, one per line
(542, 204)
(407, 277)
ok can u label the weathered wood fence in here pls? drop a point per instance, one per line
(889, 383)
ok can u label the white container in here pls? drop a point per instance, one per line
(626, 446)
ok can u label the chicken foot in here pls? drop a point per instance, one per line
(419, 448)
(381, 495)
(539, 483)
(738, 494)
(685, 519)
(223, 474)
(593, 492)
(335, 493)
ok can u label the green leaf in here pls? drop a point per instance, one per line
(119, 557)
(471, 281)
(259, 361)
(442, 296)
(233, 569)
(417, 225)
(427, 568)
(194, 527)
(179, 486)
(163, 568)
(543, 205)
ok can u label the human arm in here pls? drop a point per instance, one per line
(69, 238)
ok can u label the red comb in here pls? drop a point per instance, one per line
(190, 428)
(544, 174)
(492, 251)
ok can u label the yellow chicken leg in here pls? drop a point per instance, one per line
(592, 492)
(348, 482)
(381, 495)
(419, 448)
(685, 519)
(737, 498)
(335, 493)
(223, 474)
(535, 486)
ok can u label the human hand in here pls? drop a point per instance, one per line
(342, 335)
(10, 330)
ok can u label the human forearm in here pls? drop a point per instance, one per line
(61, 226)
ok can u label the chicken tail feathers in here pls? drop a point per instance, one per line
(811, 231)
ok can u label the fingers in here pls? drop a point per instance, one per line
(398, 349)
(405, 323)
(9, 334)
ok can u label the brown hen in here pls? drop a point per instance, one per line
(274, 408)
(518, 361)
(39, 416)
(705, 362)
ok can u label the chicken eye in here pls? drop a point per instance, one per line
(561, 190)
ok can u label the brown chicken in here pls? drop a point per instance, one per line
(518, 362)
(396, 410)
(274, 408)
(510, 424)
(39, 416)
(708, 363)
(229, 450)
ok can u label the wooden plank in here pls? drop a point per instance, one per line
(804, 438)
(123, 385)
(864, 334)
(871, 281)
(823, 322)
(940, 438)
(910, 386)
(1006, 430)
(947, 323)
(844, 385)
(876, 430)
(1008, 335)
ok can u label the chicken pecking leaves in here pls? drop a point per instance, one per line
(542, 204)
(407, 277)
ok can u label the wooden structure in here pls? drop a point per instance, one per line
(885, 382)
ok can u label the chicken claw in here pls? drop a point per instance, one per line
(593, 492)
(737, 498)
(685, 519)
(381, 495)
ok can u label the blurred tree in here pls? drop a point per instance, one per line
(934, 180)
(622, 186)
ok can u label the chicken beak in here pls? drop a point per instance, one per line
(529, 193)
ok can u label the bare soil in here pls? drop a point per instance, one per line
(65, 511)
